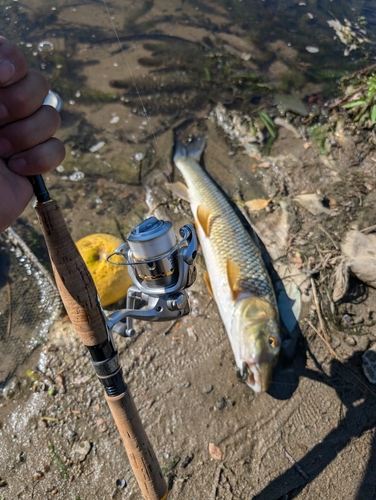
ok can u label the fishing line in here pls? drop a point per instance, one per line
(145, 114)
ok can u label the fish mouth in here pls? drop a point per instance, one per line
(259, 376)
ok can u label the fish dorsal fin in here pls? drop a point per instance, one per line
(233, 271)
(208, 284)
(179, 189)
(205, 218)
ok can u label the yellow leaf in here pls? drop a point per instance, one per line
(259, 204)
(215, 451)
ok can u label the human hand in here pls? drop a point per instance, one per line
(26, 129)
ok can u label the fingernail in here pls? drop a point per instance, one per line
(17, 165)
(5, 147)
(7, 71)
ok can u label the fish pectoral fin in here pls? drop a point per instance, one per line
(208, 284)
(205, 218)
(233, 271)
(179, 189)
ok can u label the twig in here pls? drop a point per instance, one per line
(257, 109)
(369, 229)
(321, 319)
(296, 465)
(331, 350)
(328, 235)
(216, 482)
(345, 98)
(311, 272)
(171, 326)
(9, 325)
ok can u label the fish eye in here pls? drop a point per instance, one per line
(273, 341)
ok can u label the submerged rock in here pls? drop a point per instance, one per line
(291, 103)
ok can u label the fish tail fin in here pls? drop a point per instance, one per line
(193, 150)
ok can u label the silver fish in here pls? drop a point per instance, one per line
(236, 274)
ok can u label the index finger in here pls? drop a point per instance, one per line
(13, 65)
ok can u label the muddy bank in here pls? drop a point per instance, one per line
(58, 439)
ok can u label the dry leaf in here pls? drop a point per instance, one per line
(259, 204)
(340, 280)
(264, 164)
(312, 203)
(359, 250)
(215, 452)
(296, 258)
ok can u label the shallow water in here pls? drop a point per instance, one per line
(128, 74)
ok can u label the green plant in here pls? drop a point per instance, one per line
(269, 123)
(367, 104)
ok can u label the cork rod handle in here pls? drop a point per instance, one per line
(73, 279)
(140, 452)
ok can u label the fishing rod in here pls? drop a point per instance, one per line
(81, 301)
(160, 269)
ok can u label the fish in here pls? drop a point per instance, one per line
(236, 274)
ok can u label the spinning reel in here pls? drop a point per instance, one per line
(161, 269)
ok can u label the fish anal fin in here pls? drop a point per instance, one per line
(205, 218)
(208, 284)
(233, 271)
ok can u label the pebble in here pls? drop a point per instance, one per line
(221, 404)
(76, 176)
(350, 341)
(139, 156)
(121, 483)
(186, 384)
(38, 475)
(191, 333)
(347, 320)
(312, 50)
(186, 461)
(369, 364)
(96, 147)
(207, 389)
(82, 449)
(45, 46)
